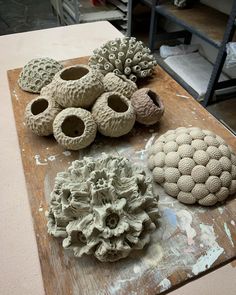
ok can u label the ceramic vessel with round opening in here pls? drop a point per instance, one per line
(77, 86)
(148, 106)
(74, 128)
(113, 114)
(40, 114)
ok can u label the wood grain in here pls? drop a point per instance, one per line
(190, 239)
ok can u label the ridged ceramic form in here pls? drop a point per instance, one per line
(103, 207)
(113, 114)
(148, 106)
(40, 114)
(124, 56)
(37, 73)
(120, 84)
(76, 86)
(74, 128)
(194, 166)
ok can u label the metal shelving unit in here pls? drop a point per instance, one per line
(82, 11)
(215, 27)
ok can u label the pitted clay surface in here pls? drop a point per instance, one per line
(103, 207)
(74, 128)
(148, 106)
(76, 86)
(194, 166)
(120, 84)
(40, 114)
(124, 56)
(38, 73)
(113, 114)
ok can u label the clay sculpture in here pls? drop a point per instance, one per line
(194, 166)
(113, 114)
(37, 73)
(77, 86)
(120, 84)
(124, 56)
(74, 128)
(103, 207)
(40, 114)
(148, 106)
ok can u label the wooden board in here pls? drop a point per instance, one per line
(190, 239)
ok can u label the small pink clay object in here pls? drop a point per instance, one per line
(148, 106)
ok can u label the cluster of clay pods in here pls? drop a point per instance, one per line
(80, 100)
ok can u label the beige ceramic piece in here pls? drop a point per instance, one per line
(120, 84)
(74, 128)
(194, 166)
(76, 86)
(37, 73)
(124, 56)
(40, 114)
(113, 114)
(148, 106)
(103, 207)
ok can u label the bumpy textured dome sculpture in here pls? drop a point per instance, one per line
(76, 86)
(40, 114)
(37, 73)
(120, 84)
(148, 106)
(113, 114)
(124, 56)
(103, 207)
(74, 128)
(194, 165)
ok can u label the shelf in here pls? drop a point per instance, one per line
(204, 21)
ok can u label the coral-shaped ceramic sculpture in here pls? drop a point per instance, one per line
(76, 86)
(103, 207)
(148, 106)
(40, 114)
(113, 114)
(124, 56)
(37, 73)
(120, 84)
(74, 128)
(194, 166)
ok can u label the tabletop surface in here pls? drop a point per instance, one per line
(21, 263)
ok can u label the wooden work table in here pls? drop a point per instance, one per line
(19, 260)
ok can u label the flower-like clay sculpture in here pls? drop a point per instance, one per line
(40, 114)
(124, 56)
(76, 86)
(194, 166)
(37, 73)
(74, 128)
(103, 207)
(113, 114)
(120, 84)
(148, 106)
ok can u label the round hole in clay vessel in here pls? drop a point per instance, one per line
(73, 126)
(112, 220)
(74, 73)
(39, 106)
(117, 104)
(153, 97)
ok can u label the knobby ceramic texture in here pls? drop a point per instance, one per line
(103, 207)
(76, 86)
(37, 73)
(120, 84)
(40, 114)
(148, 106)
(194, 166)
(124, 56)
(113, 114)
(74, 128)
